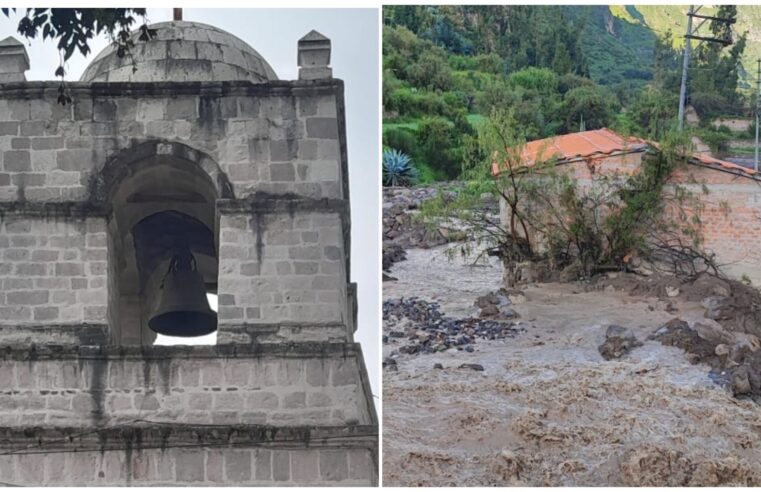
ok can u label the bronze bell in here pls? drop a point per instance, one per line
(183, 309)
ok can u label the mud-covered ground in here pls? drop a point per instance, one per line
(548, 409)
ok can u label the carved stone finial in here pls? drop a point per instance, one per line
(314, 57)
(14, 60)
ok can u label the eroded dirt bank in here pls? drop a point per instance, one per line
(548, 409)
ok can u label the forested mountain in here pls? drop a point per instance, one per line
(558, 69)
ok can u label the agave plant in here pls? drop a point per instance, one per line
(398, 169)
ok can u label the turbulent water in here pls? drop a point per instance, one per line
(548, 409)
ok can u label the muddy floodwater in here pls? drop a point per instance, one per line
(548, 410)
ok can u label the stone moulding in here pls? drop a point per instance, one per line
(24, 90)
(84, 333)
(261, 202)
(272, 203)
(161, 435)
(162, 352)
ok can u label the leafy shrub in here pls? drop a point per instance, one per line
(708, 105)
(594, 104)
(571, 81)
(430, 71)
(716, 140)
(436, 140)
(653, 113)
(444, 33)
(542, 80)
(489, 63)
(455, 100)
(401, 139)
(398, 169)
(410, 102)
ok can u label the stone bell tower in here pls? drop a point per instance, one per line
(194, 144)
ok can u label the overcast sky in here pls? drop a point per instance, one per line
(274, 34)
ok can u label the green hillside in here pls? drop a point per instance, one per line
(555, 69)
(659, 19)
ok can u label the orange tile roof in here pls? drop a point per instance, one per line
(580, 145)
(594, 144)
(711, 161)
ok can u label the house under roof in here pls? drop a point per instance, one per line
(599, 144)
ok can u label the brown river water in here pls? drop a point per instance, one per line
(548, 410)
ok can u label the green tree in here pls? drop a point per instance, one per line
(542, 80)
(593, 104)
(429, 71)
(561, 62)
(653, 113)
(716, 70)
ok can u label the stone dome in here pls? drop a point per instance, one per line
(182, 51)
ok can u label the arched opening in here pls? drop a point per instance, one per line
(160, 202)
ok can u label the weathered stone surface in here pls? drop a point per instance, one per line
(238, 466)
(322, 128)
(190, 466)
(73, 181)
(334, 465)
(281, 466)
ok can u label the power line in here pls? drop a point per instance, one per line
(685, 67)
(689, 36)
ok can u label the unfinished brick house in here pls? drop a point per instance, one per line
(731, 218)
(201, 148)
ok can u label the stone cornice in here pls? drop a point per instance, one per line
(142, 434)
(166, 352)
(267, 203)
(48, 89)
(259, 203)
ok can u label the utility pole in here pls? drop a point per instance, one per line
(685, 65)
(758, 106)
(688, 37)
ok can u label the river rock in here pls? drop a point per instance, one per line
(619, 341)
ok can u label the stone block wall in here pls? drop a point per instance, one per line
(282, 141)
(282, 138)
(132, 459)
(53, 272)
(276, 415)
(278, 268)
(200, 385)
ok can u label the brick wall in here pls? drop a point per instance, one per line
(731, 218)
(731, 215)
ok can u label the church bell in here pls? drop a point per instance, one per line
(183, 310)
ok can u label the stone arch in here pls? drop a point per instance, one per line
(140, 156)
(152, 189)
